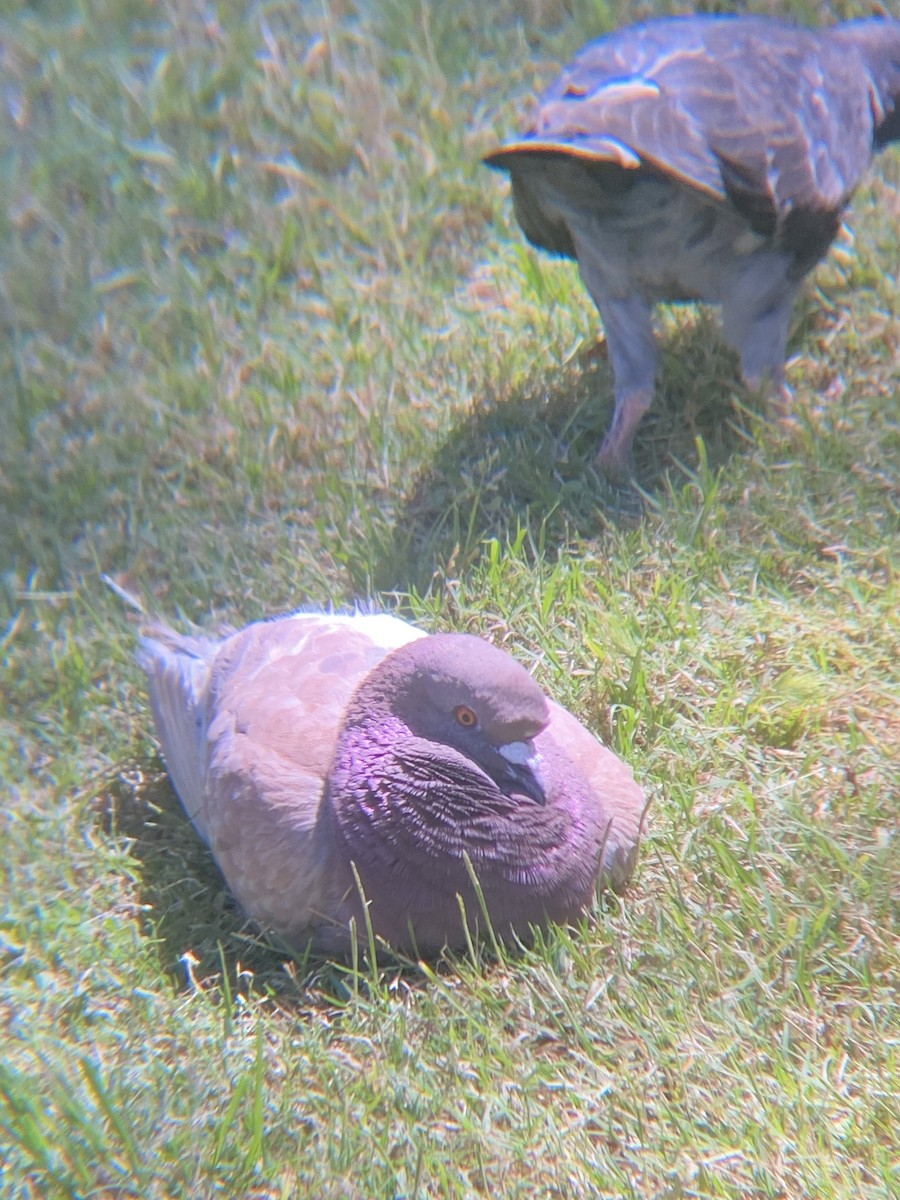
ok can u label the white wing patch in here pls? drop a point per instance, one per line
(384, 630)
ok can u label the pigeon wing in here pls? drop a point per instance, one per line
(767, 115)
(621, 800)
(262, 724)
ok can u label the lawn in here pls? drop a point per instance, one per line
(270, 336)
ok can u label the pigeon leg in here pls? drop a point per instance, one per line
(628, 324)
(633, 354)
(759, 331)
(615, 458)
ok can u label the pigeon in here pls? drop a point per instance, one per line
(702, 158)
(351, 774)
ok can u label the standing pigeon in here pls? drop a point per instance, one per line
(702, 158)
(325, 758)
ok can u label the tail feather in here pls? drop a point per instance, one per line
(177, 668)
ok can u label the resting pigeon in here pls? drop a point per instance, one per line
(324, 758)
(702, 158)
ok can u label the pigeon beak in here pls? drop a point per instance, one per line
(522, 770)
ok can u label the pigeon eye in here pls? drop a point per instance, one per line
(465, 716)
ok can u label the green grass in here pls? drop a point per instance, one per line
(269, 336)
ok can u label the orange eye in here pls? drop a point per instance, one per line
(465, 716)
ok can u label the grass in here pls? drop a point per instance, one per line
(269, 336)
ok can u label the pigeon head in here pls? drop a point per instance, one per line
(461, 692)
(438, 770)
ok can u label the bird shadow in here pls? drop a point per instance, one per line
(205, 944)
(204, 941)
(184, 904)
(528, 461)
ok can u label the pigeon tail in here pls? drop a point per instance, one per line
(177, 668)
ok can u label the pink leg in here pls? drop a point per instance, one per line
(628, 323)
(615, 457)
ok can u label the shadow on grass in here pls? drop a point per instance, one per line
(205, 941)
(200, 929)
(528, 461)
(187, 907)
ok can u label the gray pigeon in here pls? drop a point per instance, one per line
(309, 746)
(702, 158)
